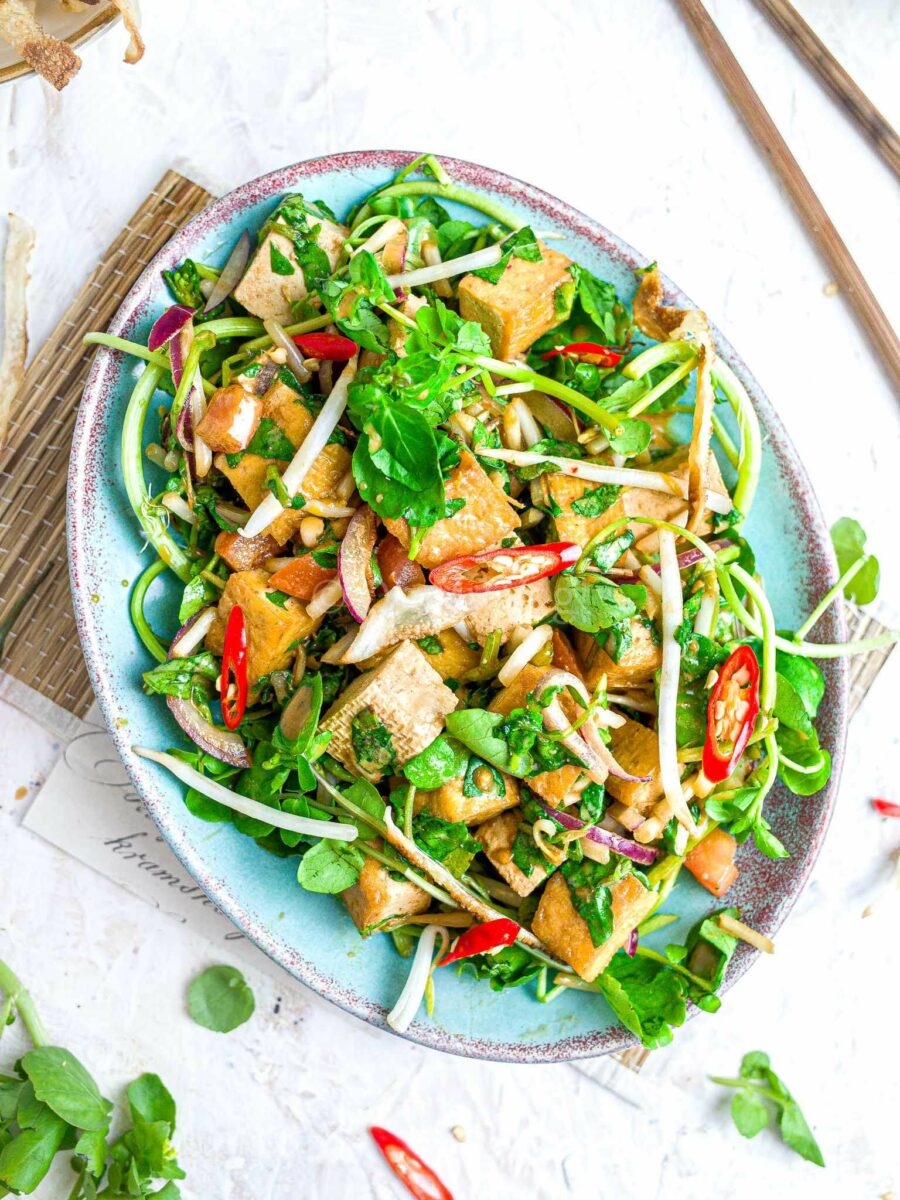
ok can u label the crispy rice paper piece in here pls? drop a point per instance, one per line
(53, 59)
(19, 245)
(667, 324)
(132, 19)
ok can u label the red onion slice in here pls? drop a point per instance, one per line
(212, 739)
(586, 744)
(231, 273)
(689, 558)
(603, 837)
(166, 326)
(631, 945)
(354, 559)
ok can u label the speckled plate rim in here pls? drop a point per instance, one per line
(91, 29)
(822, 573)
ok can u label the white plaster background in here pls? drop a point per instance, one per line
(611, 107)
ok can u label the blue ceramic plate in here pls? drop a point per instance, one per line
(310, 935)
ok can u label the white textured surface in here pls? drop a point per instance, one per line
(610, 107)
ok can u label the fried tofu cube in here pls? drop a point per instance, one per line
(406, 695)
(264, 291)
(377, 896)
(506, 610)
(641, 502)
(497, 837)
(450, 803)
(289, 410)
(248, 478)
(636, 748)
(636, 665)
(521, 306)
(273, 631)
(564, 784)
(243, 554)
(456, 656)
(484, 520)
(565, 933)
(231, 419)
(563, 491)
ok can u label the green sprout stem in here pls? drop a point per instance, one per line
(18, 1001)
(831, 595)
(551, 387)
(680, 372)
(767, 621)
(445, 191)
(136, 608)
(750, 462)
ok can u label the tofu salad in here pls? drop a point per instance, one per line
(469, 625)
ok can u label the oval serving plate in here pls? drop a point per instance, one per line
(312, 936)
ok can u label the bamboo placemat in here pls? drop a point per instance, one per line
(43, 652)
(43, 669)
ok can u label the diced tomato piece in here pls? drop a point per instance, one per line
(301, 577)
(243, 554)
(395, 565)
(711, 862)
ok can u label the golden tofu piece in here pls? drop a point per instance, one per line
(565, 783)
(521, 306)
(456, 656)
(285, 406)
(266, 293)
(640, 502)
(497, 837)
(636, 748)
(635, 665)
(405, 693)
(231, 419)
(566, 934)
(486, 518)
(248, 478)
(273, 631)
(525, 605)
(377, 896)
(450, 804)
(564, 491)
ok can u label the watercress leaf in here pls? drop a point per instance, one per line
(607, 554)
(449, 842)
(749, 1112)
(596, 502)
(804, 750)
(181, 677)
(789, 708)
(150, 1100)
(367, 276)
(152, 1153)
(654, 993)
(477, 729)
(329, 867)
(450, 232)
(63, 1084)
(270, 441)
(279, 263)
(205, 808)
(91, 1146)
(754, 1063)
(710, 947)
(220, 999)
(194, 597)
(510, 967)
(591, 603)
(26, 1159)
(797, 1134)
(598, 299)
(766, 842)
(633, 437)
(849, 540)
(806, 678)
(437, 764)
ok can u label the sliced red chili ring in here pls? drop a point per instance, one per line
(496, 570)
(886, 808)
(331, 346)
(233, 685)
(481, 939)
(731, 714)
(418, 1178)
(590, 352)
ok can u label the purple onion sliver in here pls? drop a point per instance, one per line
(632, 944)
(604, 837)
(166, 326)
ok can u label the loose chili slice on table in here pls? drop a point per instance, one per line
(886, 808)
(481, 939)
(233, 682)
(329, 346)
(731, 714)
(418, 1177)
(589, 352)
(496, 570)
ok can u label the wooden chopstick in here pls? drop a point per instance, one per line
(832, 75)
(818, 224)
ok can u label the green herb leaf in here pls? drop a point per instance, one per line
(449, 842)
(758, 1090)
(330, 867)
(749, 1113)
(521, 244)
(220, 999)
(591, 603)
(279, 263)
(849, 540)
(595, 503)
(437, 764)
(373, 747)
(26, 1159)
(646, 996)
(61, 1082)
(270, 441)
(634, 437)
(150, 1100)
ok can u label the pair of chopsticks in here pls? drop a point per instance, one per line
(762, 128)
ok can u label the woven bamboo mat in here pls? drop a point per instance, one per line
(44, 654)
(43, 670)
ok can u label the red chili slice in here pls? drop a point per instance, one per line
(482, 938)
(496, 570)
(731, 714)
(886, 808)
(418, 1178)
(233, 682)
(326, 346)
(590, 352)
